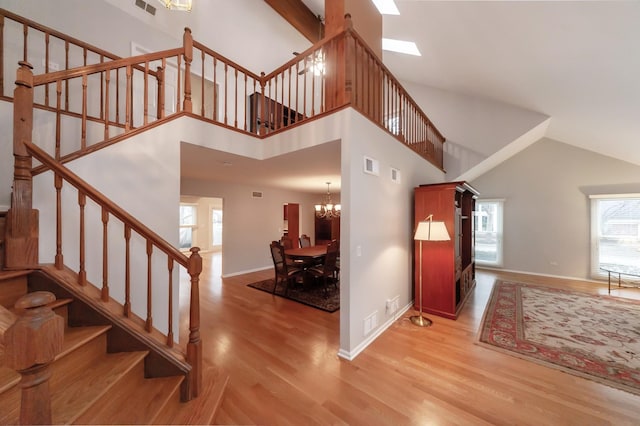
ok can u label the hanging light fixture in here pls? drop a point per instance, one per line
(177, 4)
(327, 210)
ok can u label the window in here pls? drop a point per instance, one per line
(488, 230)
(216, 221)
(187, 225)
(615, 232)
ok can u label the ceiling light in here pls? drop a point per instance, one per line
(177, 4)
(327, 209)
(386, 7)
(400, 46)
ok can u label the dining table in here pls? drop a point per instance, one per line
(307, 257)
(310, 254)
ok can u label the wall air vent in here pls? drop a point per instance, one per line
(256, 194)
(145, 6)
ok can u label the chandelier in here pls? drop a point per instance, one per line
(327, 210)
(177, 4)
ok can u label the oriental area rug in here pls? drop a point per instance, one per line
(592, 336)
(311, 295)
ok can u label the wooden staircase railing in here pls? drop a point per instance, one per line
(113, 97)
(192, 264)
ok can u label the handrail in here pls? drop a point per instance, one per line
(53, 77)
(224, 59)
(390, 75)
(103, 201)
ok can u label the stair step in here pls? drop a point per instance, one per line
(78, 379)
(200, 410)
(75, 337)
(13, 285)
(8, 379)
(7, 318)
(78, 385)
(135, 400)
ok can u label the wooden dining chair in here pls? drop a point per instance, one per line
(327, 270)
(286, 243)
(305, 240)
(285, 272)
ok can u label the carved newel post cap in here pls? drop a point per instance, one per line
(24, 74)
(36, 336)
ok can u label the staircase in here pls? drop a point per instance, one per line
(94, 379)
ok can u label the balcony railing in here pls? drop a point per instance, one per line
(98, 98)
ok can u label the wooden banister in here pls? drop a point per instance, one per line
(31, 344)
(104, 66)
(109, 205)
(193, 263)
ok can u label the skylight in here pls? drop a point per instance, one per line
(386, 7)
(400, 46)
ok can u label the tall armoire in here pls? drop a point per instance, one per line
(448, 267)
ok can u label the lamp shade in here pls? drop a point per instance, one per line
(428, 230)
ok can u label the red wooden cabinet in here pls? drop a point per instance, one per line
(448, 267)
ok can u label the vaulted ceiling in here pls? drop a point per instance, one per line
(575, 61)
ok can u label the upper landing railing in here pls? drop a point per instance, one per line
(98, 98)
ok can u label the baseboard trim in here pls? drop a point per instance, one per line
(563, 277)
(233, 274)
(351, 355)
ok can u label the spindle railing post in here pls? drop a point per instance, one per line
(188, 57)
(21, 242)
(31, 344)
(59, 262)
(194, 347)
(160, 74)
(263, 105)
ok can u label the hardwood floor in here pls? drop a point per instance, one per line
(282, 360)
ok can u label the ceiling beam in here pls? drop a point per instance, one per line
(300, 16)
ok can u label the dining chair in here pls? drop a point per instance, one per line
(284, 271)
(305, 240)
(327, 270)
(286, 243)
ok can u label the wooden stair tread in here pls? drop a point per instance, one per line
(200, 410)
(74, 337)
(135, 400)
(8, 378)
(78, 388)
(8, 274)
(7, 318)
(59, 302)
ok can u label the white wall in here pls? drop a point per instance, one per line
(250, 224)
(6, 153)
(546, 208)
(480, 125)
(148, 167)
(376, 247)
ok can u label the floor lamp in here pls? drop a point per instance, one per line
(427, 230)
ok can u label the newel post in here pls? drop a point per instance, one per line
(22, 224)
(187, 41)
(31, 344)
(194, 347)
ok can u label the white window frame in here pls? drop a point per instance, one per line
(596, 272)
(194, 225)
(499, 231)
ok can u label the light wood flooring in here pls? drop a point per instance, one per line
(281, 357)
